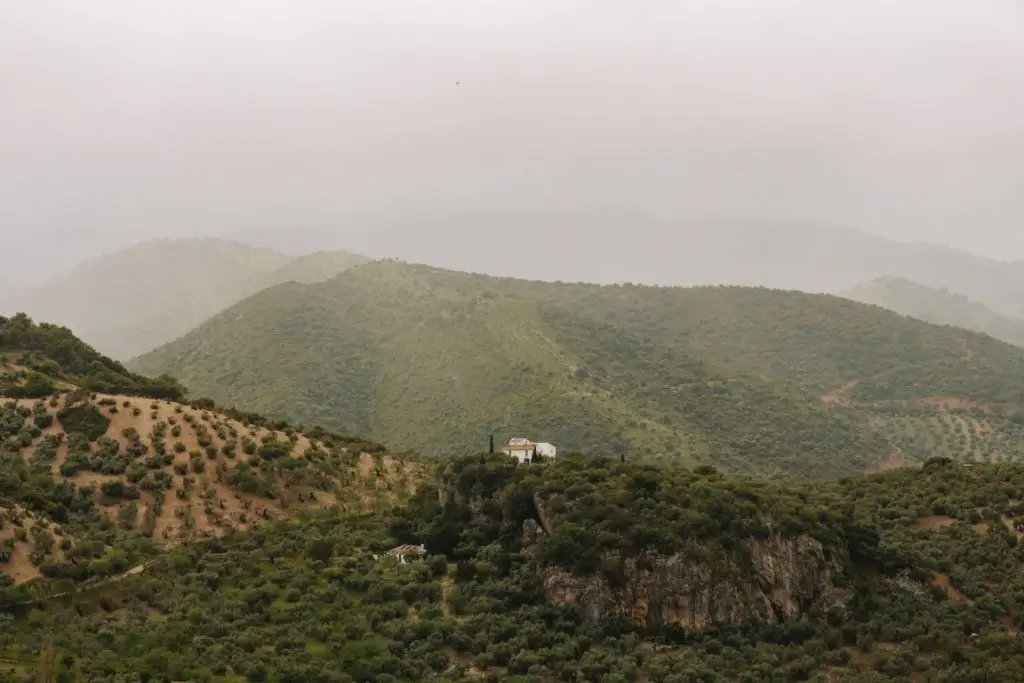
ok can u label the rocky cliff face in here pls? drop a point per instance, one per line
(778, 580)
(764, 581)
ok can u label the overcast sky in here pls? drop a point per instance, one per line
(127, 120)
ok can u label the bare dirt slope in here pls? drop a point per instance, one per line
(173, 473)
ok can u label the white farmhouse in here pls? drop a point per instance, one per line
(405, 553)
(524, 449)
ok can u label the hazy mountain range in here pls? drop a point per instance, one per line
(135, 299)
(939, 306)
(625, 246)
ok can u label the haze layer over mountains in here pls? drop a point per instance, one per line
(899, 119)
(133, 300)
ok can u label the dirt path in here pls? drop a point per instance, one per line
(134, 571)
(835, 397)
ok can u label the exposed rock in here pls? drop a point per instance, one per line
(764, 581)
(542, 514)
(776, 580)
(530, 531)
(446, 487)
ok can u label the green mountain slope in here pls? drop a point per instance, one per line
(133, 300)
(644, 574)
(36, 360)
(938, 306)
(817, 342)
(434, 360)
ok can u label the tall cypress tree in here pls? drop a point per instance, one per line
(492, 444)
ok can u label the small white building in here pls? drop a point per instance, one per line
(405, 553)
(524, 449)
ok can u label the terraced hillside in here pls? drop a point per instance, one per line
(748, 379)
(962, 435)
(91, 483)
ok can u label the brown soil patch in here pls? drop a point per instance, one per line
(931, 522)
(942, 581)
(20, 567)
(62, 456)
(1012, 526)
(835, 397)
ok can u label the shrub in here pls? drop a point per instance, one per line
(84, 419)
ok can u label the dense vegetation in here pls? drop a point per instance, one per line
(306, 600)
(435, 360)
(814, 341)
(133, 300)
(939, 306)
(36, 358)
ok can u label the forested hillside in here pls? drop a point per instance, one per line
(748, 379)
(906, 576)
(38, 359)
(437, 361)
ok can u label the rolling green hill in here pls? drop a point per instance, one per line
(135, 299)
(750, 379)
(38, 360)
(432, 362)
(817, 342)
(938, 306)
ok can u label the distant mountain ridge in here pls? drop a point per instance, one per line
(938, 306)
(132, 300)
(617, 246)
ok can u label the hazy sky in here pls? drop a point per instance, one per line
(126, 120)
